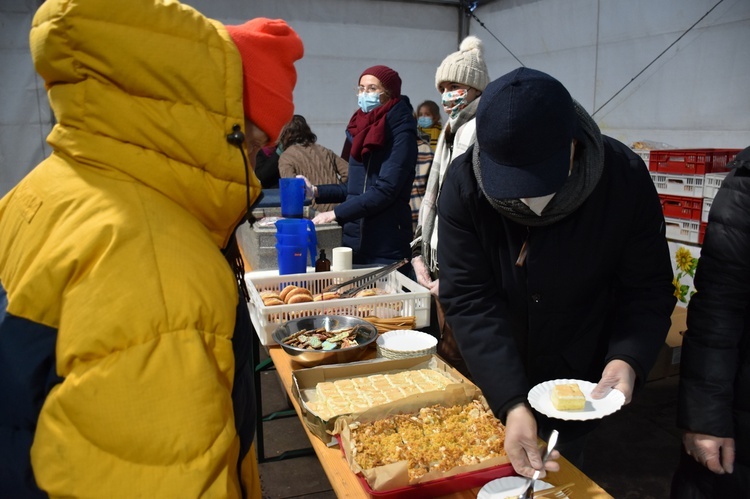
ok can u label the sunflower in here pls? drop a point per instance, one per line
(684, 260)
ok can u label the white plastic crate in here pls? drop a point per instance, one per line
(707, 202)
(712, 184)
(405, 298)
(681, 229)
(645, 154)
(678, 185)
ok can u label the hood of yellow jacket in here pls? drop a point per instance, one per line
(149, 94)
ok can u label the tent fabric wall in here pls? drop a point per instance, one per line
(695, 95)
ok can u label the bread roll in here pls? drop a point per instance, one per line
(270, 301)
(297, 292)
(269, 293)
(299, 298)
(286, 291)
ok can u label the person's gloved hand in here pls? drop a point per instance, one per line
(521, 443)
(324, 218)
(420, 269)
(619, 375)
(311, 192)
(715, 453)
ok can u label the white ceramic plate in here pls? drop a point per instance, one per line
(508, 486)
(406, 340)
(539, 398)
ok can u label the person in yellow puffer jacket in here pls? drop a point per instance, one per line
(125, 342)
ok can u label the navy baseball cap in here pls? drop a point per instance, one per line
(526, 122)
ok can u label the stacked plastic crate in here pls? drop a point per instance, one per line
(681, 177)
(687, 181)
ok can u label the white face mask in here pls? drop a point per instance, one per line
(537, 205)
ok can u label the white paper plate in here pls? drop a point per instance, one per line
(539, 398)
(406, 340)
(509, 486)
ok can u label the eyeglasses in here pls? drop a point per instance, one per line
(369, 89)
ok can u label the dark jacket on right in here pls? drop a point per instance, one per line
(714, 396)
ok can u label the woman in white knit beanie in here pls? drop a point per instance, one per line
(460, 79)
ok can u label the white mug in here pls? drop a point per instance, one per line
(341, 259)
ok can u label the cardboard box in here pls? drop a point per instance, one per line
(668, 361)
(305, 380)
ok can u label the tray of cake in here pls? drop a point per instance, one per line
(361, 404)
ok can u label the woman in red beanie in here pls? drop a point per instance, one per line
(381, 146)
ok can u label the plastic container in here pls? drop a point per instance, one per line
(405, 298)
(678, 185)
(292, 259)
(712, 183)
(292, 193)
(691, 161)
(298, 232)
(681, 207)
(707, 202)
(688, 231)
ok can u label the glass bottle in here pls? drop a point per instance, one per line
(323, 264)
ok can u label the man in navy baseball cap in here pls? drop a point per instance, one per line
(553, 260)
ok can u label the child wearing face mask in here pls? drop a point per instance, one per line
(460, 79)
(429, 123)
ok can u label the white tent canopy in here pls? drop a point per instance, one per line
(613, 56)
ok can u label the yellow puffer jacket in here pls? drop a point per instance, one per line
(111, 247)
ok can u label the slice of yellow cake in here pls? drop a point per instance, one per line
(568, 397)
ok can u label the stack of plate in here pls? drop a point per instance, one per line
(405, 343)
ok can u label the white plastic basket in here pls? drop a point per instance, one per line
(678, 185)
(707, 202)
(405, 298)
(645, 154)
(681, 229)
(712, 184)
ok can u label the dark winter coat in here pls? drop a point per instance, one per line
(376, 215)
(595, 286)
(715, 366)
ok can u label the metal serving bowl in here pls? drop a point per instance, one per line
(310, 358)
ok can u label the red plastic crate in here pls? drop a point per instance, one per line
(702, 232)
(691, 161)
(681, 207)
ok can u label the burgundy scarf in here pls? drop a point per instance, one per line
(368, 129)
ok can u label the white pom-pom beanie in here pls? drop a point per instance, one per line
(465, 66)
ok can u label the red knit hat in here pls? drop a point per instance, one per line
(388, 77)
(268, 48)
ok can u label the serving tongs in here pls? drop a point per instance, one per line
(361, 282)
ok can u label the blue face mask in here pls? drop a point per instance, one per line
(424, 122)
(368, 101)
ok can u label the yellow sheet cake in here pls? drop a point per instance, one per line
(347, 396)
(568, 397)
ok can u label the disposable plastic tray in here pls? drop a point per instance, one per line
(690, 161)
(681, 206)
(405, 298)
(678, 185)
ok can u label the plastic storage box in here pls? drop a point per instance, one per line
(691, 161)
(707, 202)
(405, 298)
(712, 183)
(678, 185)
(689, 231)
(681, 207)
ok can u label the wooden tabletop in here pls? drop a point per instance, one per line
(345, 483)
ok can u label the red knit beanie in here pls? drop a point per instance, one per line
(388, 77)
(268, 48)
